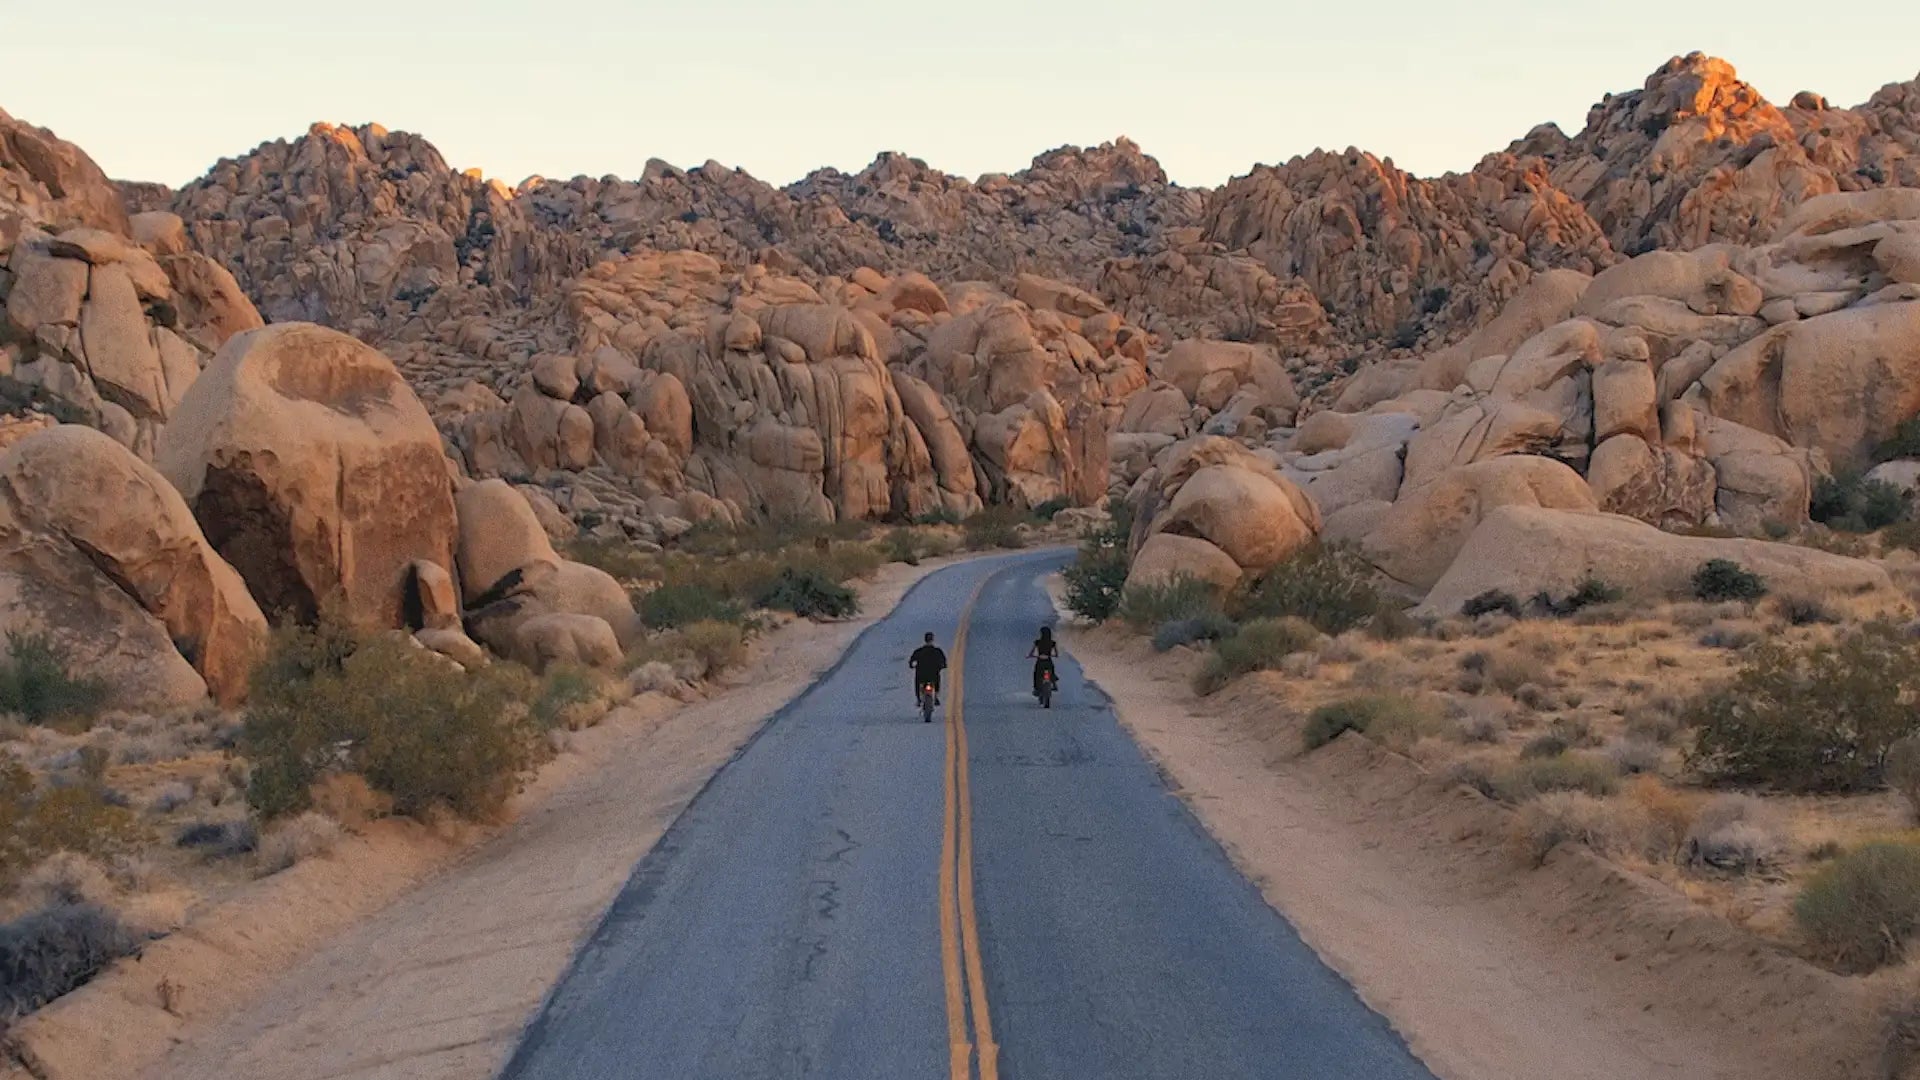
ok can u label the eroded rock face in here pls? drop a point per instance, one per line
(314, 471)
(1214, 490)
(98, 550)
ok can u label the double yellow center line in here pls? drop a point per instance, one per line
(959, 926)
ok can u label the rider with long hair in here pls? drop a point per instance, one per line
(1042, 654)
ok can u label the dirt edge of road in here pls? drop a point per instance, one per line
(249, 982)
(1490, 968)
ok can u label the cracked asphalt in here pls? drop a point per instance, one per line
(788, 925)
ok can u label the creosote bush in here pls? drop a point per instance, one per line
(416, 728)
(1493, 601)
(1852, 503)
(673, 605)
(1526, 779)
(1259, 645)
(1210, 626)
(1330, 586)
(995, 527)
(1813, 718)
(37, 682)
(1724, 579)
(1861, 910)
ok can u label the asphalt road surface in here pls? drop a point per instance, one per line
(1005, 892)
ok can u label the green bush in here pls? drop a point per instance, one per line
(941, 516)
(1860, 910)
(1903, 769)
(1723, 579)
(1330, 586)
(1099, 573)
(562, 688)
(1818, 717)
(1591, 592)
(422, 731)
(717, 645)
(675, 605)
(55, 950)
(809, 594)
(1491, 602)
(1389, 717)
(1259, 645)
(616, 557)
(902, 546)
(38, 683)
(1151, 603)
(995, 527)
(1851, 503)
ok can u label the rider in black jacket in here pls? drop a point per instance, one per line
(1042, 654)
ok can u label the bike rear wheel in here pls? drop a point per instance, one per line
(1046, 693)
(926, 708)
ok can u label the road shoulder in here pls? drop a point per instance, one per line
(1491, 970)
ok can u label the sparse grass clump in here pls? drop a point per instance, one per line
(1734, 833)
(1330, 586)
(37, 821)
(53, 951)
(1256, 646)
(296, 839)
(1860, 911)
(1151, 604)
(1391, 718)
(1724, 579)
(37, 682)
(1532, 777)
(1819, 717)
(673, 605)
(1609, 827)
(419, 730)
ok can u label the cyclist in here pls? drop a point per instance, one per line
(927, 662)
(1042, 654)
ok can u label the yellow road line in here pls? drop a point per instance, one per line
(956, 885)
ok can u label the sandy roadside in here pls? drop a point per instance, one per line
(1492, 971)
(414, 954)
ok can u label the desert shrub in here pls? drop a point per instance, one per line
(995, 527)
(1669, 815)
(1736, 833)
(1259, 645)
(303, 836)
(1903, 769)
(902, 546)
(809, 594)
(1818, 717)
(37, 821)
(1387, 717)
(1860, 910)
(674, 605)
(38, 683)
(616, 557)
(1051, 508)
(54, 950)
(1633, 757)
(1591, 592)
(1903, 534)
(1730, 636)
(938, 516)
(1491, 602)
(717, 646)
(220, 839)
(420, 730)
(1149, 604)
(1099, 572)
(1612, 828)
(1393, 623)
(1211, 626)
(1526, 779)
(1724, 579)
(1804, 608)
(1330, 586)
(1852, 503)
(563, 689)
(1547, 744)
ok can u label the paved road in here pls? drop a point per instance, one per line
(814, 912)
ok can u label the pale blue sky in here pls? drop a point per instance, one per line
(1210, 87)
